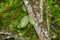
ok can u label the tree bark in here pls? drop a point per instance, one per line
(36, 11)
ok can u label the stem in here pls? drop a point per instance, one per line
(11, 35)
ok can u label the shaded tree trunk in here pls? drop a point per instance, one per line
(36, 11)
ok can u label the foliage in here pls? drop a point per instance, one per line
(13, 17)
(53, 18)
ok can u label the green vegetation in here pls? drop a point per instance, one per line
(14, 18)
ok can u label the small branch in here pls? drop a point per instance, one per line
(55, 21)
(5, 33)
(11, 35)
(54, 30)
(41, 9)
(51, 24)
(47, 13)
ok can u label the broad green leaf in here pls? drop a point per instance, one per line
(31, 20)
(24, 21)
(23, 8)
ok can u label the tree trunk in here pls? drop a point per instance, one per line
(35, 10)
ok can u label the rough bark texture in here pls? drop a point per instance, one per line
(36, 11)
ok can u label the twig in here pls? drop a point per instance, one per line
(12, 35)
(51, 24)
(47, 13)
(55, 21)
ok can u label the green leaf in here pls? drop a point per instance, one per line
(23, 8)
(31, 20)
(24, 21)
